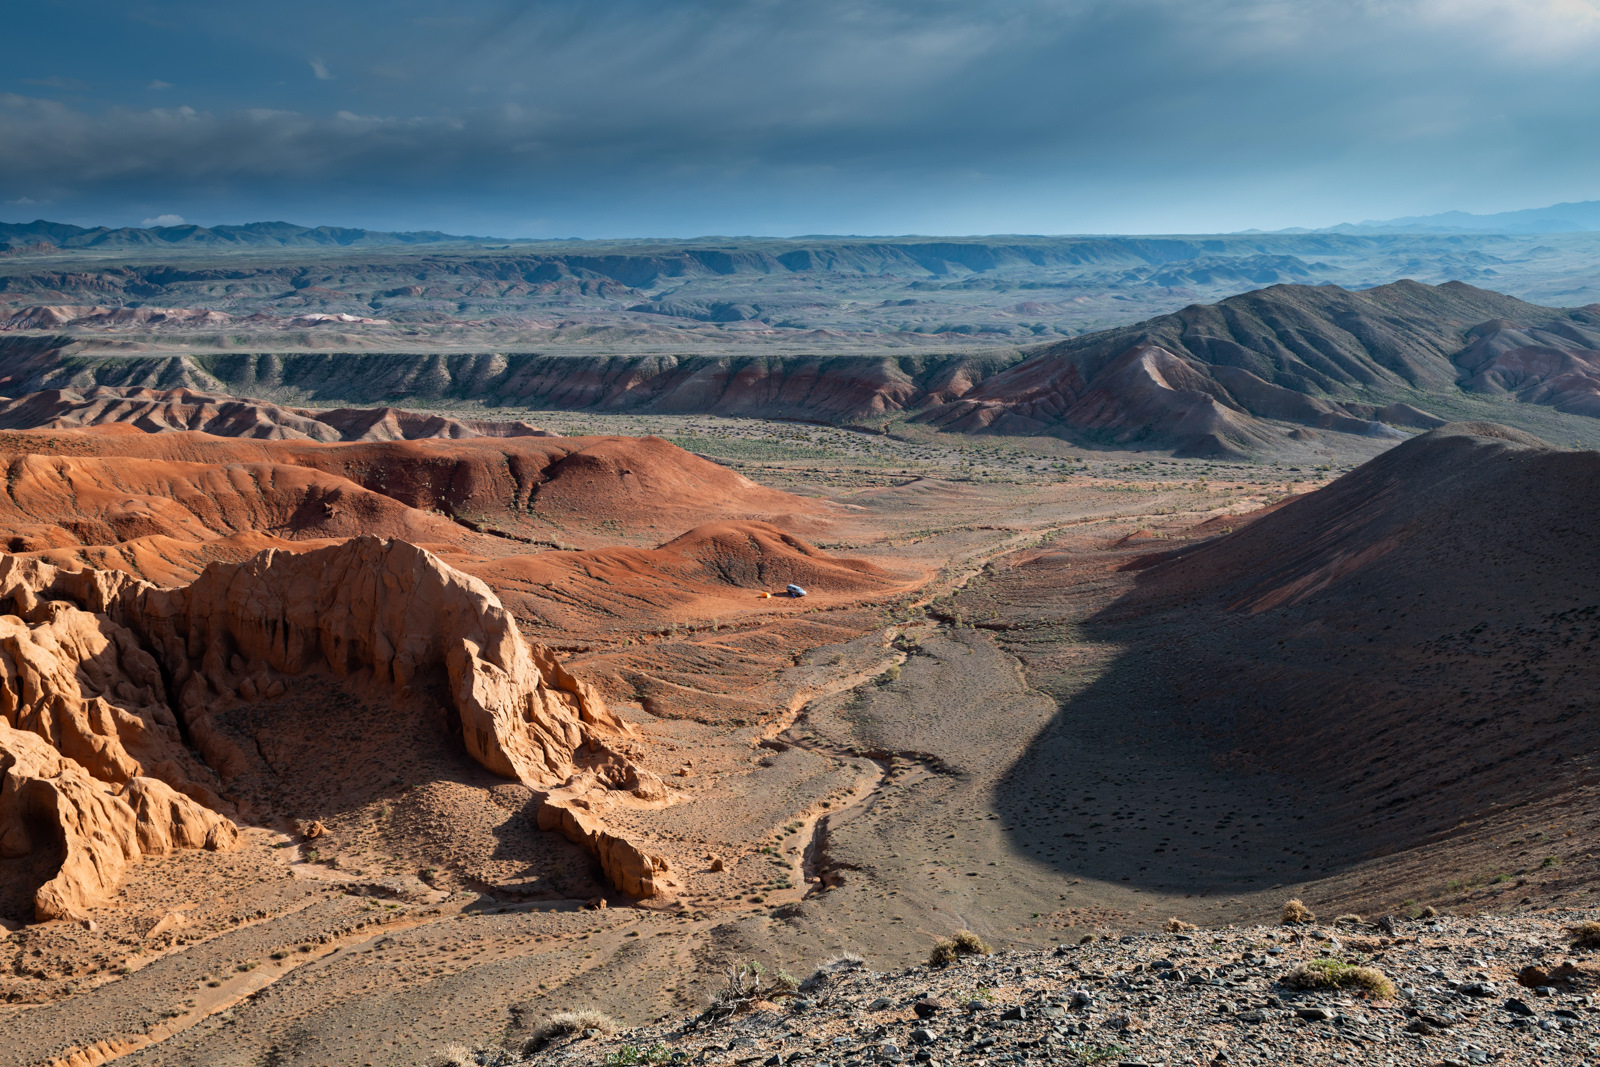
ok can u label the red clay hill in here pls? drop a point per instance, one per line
(712, 571)
(117, 497)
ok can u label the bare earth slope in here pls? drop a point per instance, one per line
(1445, 591)
(1204, 379)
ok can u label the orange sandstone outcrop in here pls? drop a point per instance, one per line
(101, 827)
(384, 607)
(82, 653)
(84, 684)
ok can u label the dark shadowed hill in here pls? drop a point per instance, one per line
(1417, 640)
(1386, 684)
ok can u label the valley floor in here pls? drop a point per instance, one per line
(975, 750)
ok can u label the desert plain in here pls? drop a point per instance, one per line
(352, 734)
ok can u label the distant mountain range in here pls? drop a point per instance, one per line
(1581, 217)
(41, 234)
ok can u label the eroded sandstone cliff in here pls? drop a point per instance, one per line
(104, 677)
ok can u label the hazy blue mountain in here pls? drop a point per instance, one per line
(1581, 217)
(250, 235)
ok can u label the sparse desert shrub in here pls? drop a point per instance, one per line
(1348, 920)
(1178, 926)
(830, 969)
(749, 983)
(1585, 934)
(455, 1056)
(1295, 912)
(963, 943)
(563, 1023)
(1329, 973)
(1428, 911)
(970, 943)
(890, 674)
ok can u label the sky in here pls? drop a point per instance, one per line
(678, 118)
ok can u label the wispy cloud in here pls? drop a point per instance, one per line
(320, 69)
(164, 220)
(159, 84)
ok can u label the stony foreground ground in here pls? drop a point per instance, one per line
(1201, 997)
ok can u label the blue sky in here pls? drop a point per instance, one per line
(626, 118)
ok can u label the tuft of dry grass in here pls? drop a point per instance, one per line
(567, 1022)
(1178, 926)
(1329, 973)
(963, 943)
(1295, 912)
(455, 1056)
(1585, 934)
(1348, 920)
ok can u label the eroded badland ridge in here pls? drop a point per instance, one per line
(1277, 371)
(362, 707)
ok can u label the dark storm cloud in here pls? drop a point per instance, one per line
(1017, 114)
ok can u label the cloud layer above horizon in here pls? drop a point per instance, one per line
(627, 118)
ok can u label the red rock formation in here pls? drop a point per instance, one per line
(83, 683)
